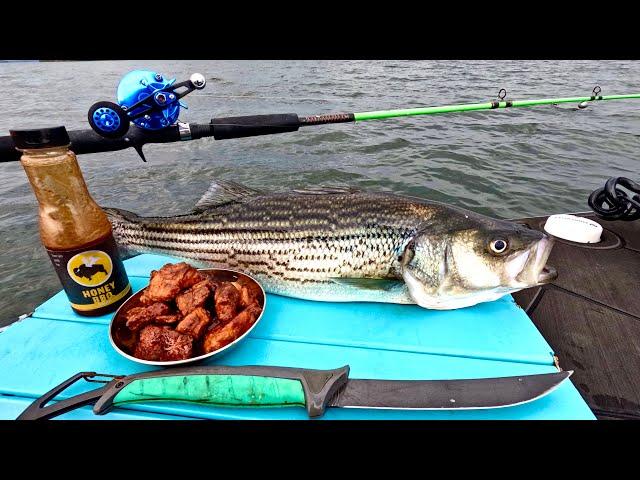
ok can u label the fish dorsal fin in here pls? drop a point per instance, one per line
(326, 190)
(384, 284)
(226, 191)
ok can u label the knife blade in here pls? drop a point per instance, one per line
(266, 386)
(463, 394)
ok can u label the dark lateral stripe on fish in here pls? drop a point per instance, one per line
(197, 248)
(218, 234)
(341, 242)
(235, 251)
(200, 253)
(193, 251)
(338, 241)
(218, 237)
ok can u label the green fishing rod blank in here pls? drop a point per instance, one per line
(470, 107)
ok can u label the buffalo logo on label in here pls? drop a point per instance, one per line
(91, 268)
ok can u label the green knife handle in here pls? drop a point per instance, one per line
(250, 386)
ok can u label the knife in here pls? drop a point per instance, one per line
(266, 386)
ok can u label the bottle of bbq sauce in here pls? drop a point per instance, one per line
(73, 228)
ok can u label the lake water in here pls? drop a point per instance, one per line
(506, 163)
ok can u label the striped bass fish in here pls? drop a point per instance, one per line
(344, 245)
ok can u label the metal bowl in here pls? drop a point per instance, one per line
(119, 334)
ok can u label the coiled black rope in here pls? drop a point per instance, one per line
(613, 203)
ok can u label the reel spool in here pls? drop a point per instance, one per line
(145, 98)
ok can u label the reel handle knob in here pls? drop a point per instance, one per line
(198, 81)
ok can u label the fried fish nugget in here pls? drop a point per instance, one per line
(161, 288)
(144, 298)
(224, 334)
(158, 308)
(175, 346)
(162, 343)
(194, 297)
(150, 342)
(167, 282)
(195, 323)
(191, 277)
(249, 294)
(227, 300)
(167, 319)
(138, 317)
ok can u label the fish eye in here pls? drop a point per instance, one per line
(498, 245)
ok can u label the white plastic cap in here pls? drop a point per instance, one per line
(573, 228)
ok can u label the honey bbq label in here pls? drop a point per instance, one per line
(93, 277)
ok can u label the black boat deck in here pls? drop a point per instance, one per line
(590, 315)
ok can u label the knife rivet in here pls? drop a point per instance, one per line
(119, 384)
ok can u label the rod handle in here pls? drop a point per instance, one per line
(254, 125)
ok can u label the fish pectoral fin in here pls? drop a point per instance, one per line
(385, 284)
(224, 191)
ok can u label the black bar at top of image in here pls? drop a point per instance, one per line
(204, 32)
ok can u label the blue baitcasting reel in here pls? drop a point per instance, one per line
(145, 98)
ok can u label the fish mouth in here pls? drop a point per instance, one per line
(536, 271)
(547, 274)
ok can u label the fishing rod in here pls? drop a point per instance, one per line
(148, 108)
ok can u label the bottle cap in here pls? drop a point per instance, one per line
(573, 228)
(40, 138)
